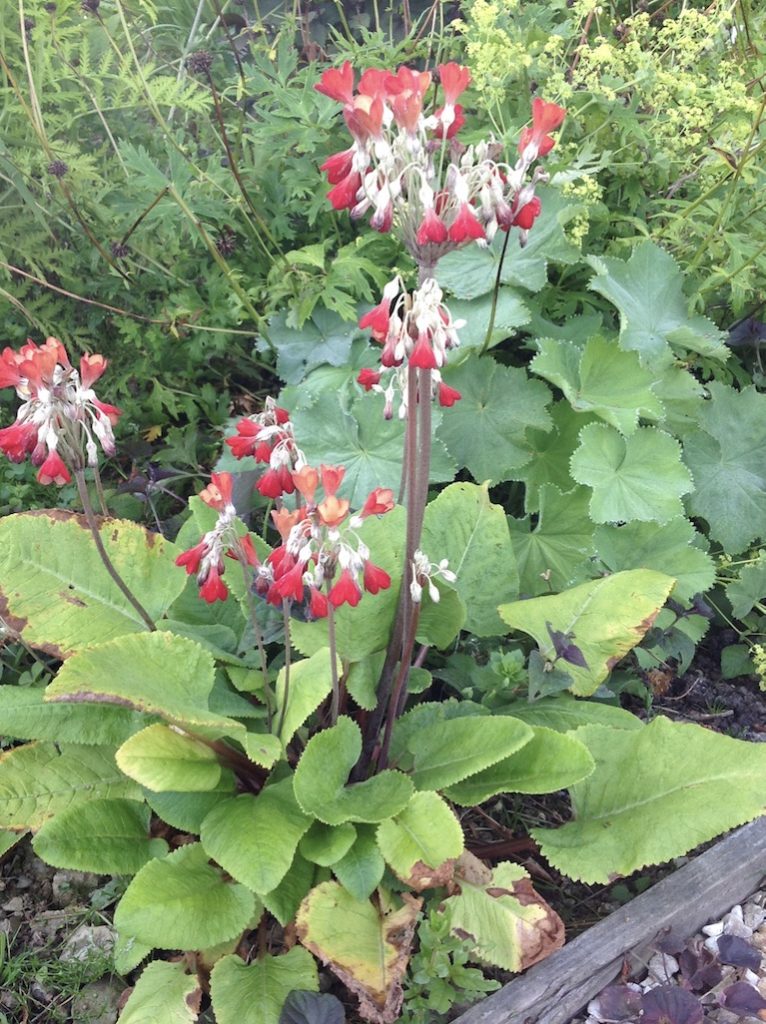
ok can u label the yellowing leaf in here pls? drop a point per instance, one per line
(153, 433)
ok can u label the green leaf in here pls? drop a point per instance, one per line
(502, 918)
(510, 313)
(670, 549)
(42, 779)
(725, 454)
(104, 836)
(359, 438)
(422, 718)
(548, 762)
(637, 477)
(254, 838)
(565, 713)
(549, 453)
(262, 748)
(327, 844)
(656, 793)
(310, 683)
(365, 947)
(187, 811)
(447, 752)
(746, 591)
(605, 619)
(322, 773)
(164, 992)
(158, 673)
(361, 870)
(255, 993)
(362, 679)
(25, 716)
(182, 902)
(464, 526)
(440, 621)
(485, 431)
(128, 953)
(164, 760)
(424, 835)
(58, 594)
(324, 338)
(600, 378)
(282, 902)
(654, 317)
(553, 553)
(735, 661)
(8, 840)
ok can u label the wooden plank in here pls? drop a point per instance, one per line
(703, 890)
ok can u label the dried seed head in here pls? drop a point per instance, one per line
(58, 168)
(119, 250)
(90, 6)
(200, 62)
(226, 242)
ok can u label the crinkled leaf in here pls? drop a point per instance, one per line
(164, 992)
(465, 527)
(322, 774)
(366, 948)
(553, 552)
(103, 836)
(283, 901)
(485, 431)
(422, 836)
(656, 793)
(324, 338)
(183, 902)
(255, 993)
(565, 713)
(637, 477)
(165, 760)
(8, 840)
(606, 617)
(448, 751)
(654, 312)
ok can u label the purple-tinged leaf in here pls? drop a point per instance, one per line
(564, 648)
(615, 1004)
(744, 1000)
(302, 1007)
(700, 969)
(669, 1004)
(736, 951)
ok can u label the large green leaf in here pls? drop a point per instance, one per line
(254, 838)
(549, 454)
(56, 592)
(654, 313)
(165, 760)
(42, 779)
(360, 870)
(464, 526)
(605, 619)
(255, 993)
(25, 715)
(749, 588)
(421, 837)
(656, 793)
(485, 431)
(183, 902)
(103, 836)
(449, 751)
(363, 945)
(310, 683)
(509, 313)
(637, 477)
(158, 673)
(187, 811)
(327, 844)
(670, 549)
(322, 774)
(565, 713)
(283, 902)
(8, 840)
(725, 454)
(553, 553)
(600, 378)
(324, 338)
(164, 992)
(548, 762)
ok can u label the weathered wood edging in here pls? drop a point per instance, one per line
(703, 890)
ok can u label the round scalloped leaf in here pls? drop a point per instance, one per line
(549, 762)
(255, 993)
(254, 838)
(604, 619)
(656, 793)
(637, 477)
(164, 992)
(322, 773)
(424, 835)
(183, 902)
(42, 779)
(449, 751)
(165, 761)
(108, 837)
(55, 591)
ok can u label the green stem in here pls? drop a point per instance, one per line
(286, 696)
(495, 293)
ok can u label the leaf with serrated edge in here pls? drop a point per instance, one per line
(549, 453)
(310, 683)
(748, 589)
(255, 993)
(326, 844)
(424, 835)
(606, 617)
(368, 950)
(655, 794)
(187, 811)
(182, 902)
(165, 760)
(447, 752)
(26, 716)
(164, 992)
(102, 836)
(565, 713)
(637, 477)
(254, 838)
(322, 773)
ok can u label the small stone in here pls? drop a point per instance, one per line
(72, 887)
(98, 1002)
(87, 940)
(49, 923)
(15, 905)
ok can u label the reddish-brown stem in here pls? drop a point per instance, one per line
(400, 688)
(335, 702)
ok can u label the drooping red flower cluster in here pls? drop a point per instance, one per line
(414, 175)
(268, 437)
(60, 419)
